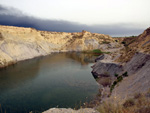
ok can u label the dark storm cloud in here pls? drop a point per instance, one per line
(2, 8)
(13, 17)
(9, 11)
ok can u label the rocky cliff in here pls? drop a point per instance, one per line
(135, 44)
(18, 43)
(142, 42)
(134, 60)
(138, 81)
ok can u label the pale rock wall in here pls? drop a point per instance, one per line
(18, 43)
(102, 68)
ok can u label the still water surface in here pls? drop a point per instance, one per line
(57, 80)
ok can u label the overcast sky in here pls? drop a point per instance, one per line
(113, 17)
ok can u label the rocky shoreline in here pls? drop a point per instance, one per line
(130, 56)
(64, 110)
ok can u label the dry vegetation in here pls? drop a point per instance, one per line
(134, 44)
(127, 52)
(140, 103)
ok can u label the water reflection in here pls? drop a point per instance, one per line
(61, 79)
(83, 58)
(15, 75)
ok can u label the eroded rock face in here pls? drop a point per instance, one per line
(138, 80)
(135, 60)
(142, 42)
(106, 69)
(108, 63)
(106, 66)
(18, 43)
(138, 69)
(138, 61)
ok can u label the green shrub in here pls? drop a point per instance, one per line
(97, 51)
(125, 74)
(107, 52)
(116, 75)
(119, 78)
(111, 88)
(105, 42)
(124, 43)
(114, 83)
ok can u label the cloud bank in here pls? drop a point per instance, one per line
(14, 17)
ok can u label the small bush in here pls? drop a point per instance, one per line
(133, 36)
(125, 74)
(129, 103)
(137, 95)
(116, 75)
(114, 83)
(107, 52)
(97, 51)
(119, 78)
(105, 42)
(123, 43)
(111, 88)
(144, 109)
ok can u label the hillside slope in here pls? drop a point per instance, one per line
(135, 61)
(18, 43)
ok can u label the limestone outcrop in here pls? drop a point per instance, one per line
(69, 110)
(18, 43)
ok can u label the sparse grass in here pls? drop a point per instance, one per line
(140, 103)
(105, 42)
(119, 78)
(137, 95)
(129, 103)
(109, 108)
(95, 52)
